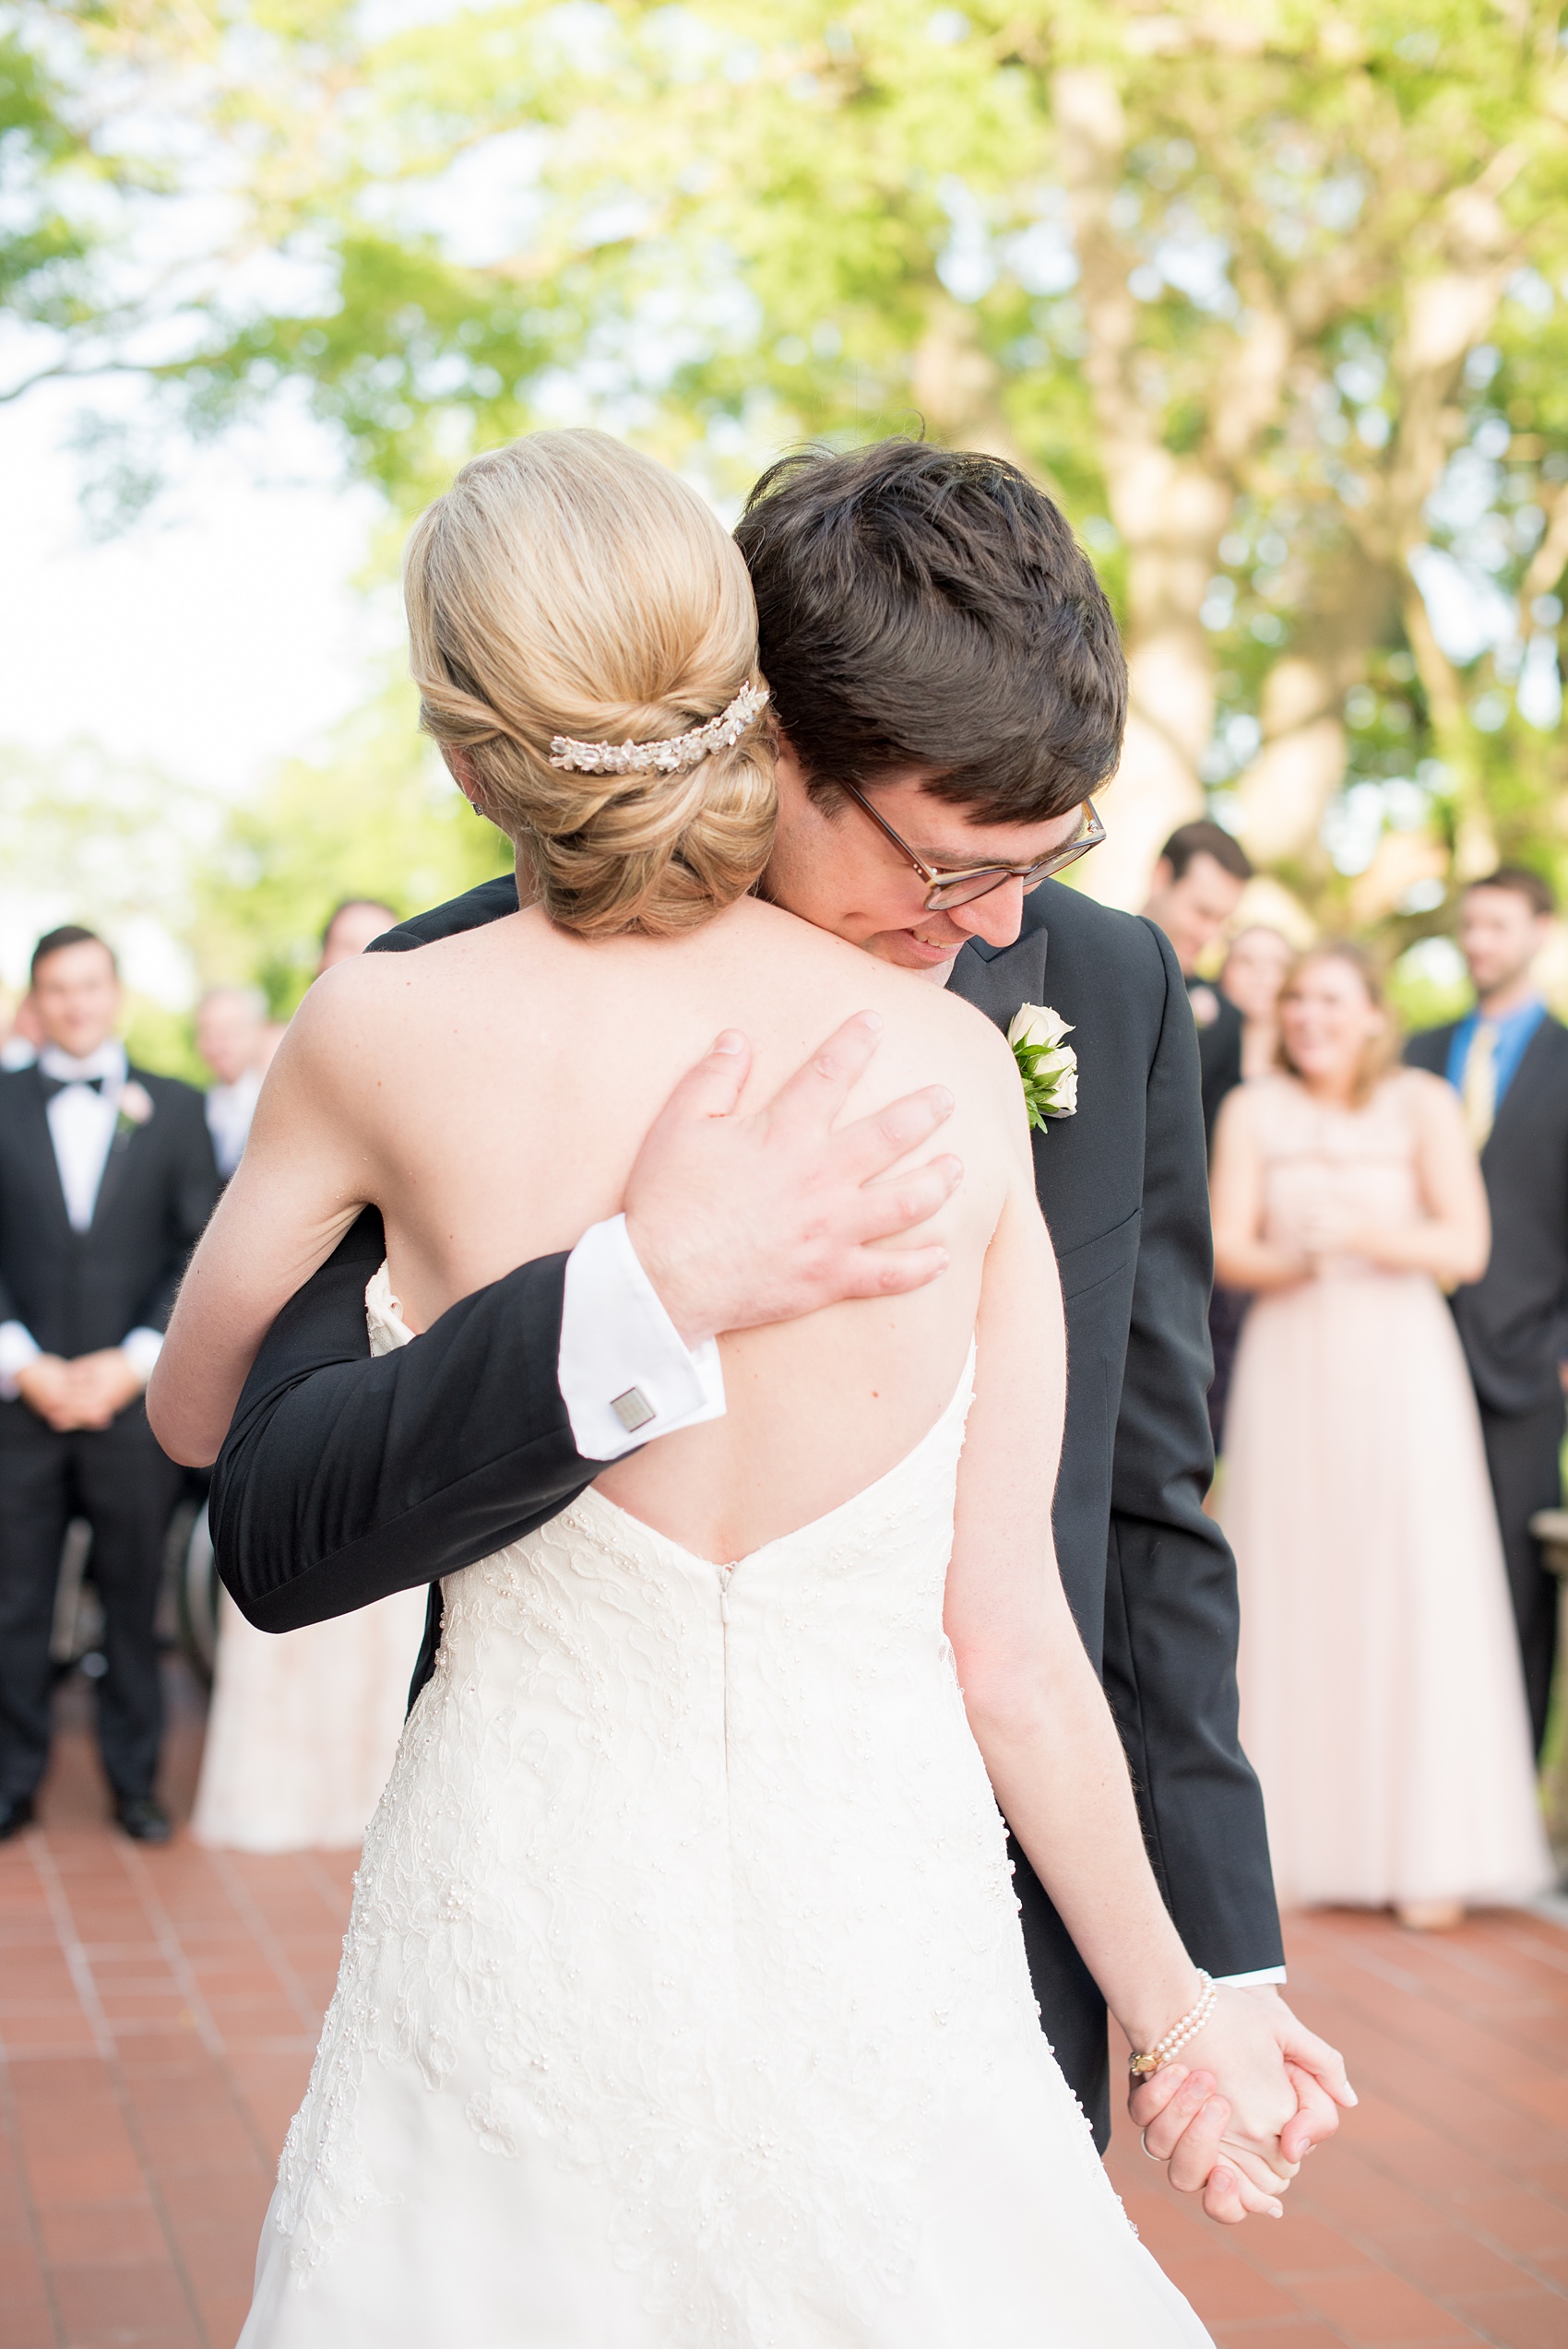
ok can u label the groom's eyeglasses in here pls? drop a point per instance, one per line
(960, 886)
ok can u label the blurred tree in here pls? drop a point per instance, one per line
(191, 889)
(47, 237)
(80, 174)
(377, 817)
(1222, 282)
(87, 837)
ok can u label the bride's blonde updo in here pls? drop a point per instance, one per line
(566, 585)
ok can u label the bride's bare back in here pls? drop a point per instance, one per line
(490, 1093)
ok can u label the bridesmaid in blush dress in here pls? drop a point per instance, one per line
(1382, 1701)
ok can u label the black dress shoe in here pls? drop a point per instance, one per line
(15, 1812)
(143, 1818)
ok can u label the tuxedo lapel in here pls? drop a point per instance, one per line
(996, 980)
(39, 1143)
(125, 1138)
(1529, 1077)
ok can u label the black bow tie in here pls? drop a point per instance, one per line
(53, 1085)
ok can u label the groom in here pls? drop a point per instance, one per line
(950, 689)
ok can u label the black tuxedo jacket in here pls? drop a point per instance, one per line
(1514, 1320)
(343, 1478)
(1219, 1057)
(78, 1292)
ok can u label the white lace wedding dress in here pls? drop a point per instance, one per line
(684, 2003)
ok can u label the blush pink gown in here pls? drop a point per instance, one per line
(304, 1724)
(1382, 1700)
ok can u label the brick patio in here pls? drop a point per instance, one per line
(158, 2010)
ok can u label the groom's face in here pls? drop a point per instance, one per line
(840, 873)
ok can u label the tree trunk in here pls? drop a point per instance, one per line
(1287, 788)
(1170, 511)
(957, 384)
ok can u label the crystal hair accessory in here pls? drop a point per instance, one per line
(662, 758)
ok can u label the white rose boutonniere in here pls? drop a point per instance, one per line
(133, 1108)
(1049, 1066)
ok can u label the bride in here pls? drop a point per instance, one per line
(684, 2001)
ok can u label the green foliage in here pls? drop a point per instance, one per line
(86, 837)
(1428, 986)
(78, 177)
(378, 817)
(1099, 238)
(245, 890)
(43, 240)
(164, 1041)
(1273, 299)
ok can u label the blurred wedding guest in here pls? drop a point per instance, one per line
(236, 1039)
(106, 1179)
(1508, 1062)
(304, 1724)
(1255, 967)
(23, 1036)
(1198, 887)
(1250, 978)
(1374, 1604)
(350, 929)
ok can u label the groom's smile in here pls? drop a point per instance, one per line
(851, 868)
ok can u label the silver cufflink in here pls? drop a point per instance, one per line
(633, 1409)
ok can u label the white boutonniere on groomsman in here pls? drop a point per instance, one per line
(133, 1108)
(1048, 1066)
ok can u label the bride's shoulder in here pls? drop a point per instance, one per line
(372, 1009)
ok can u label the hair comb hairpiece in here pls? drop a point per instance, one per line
(662, 758)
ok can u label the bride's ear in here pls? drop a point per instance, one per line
(460, 766)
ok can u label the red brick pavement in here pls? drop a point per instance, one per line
(158, 2010)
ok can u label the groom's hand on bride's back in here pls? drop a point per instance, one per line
(741, 1220)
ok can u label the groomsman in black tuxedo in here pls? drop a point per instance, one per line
(1508, 1062)
(939, 654)
(1198, 887)
(106, 1179)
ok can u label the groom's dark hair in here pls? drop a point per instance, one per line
(930, 609)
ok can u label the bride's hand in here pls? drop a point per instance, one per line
(1183, 2123)
(1254, 2093)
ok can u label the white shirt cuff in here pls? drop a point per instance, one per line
(17, 1348)
(1245, 1981)
(626, 1373)
(141, 1349)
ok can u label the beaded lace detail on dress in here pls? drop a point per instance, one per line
(693, 1876)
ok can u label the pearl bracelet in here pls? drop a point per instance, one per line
(1177, 2038)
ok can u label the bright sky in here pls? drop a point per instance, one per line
(220, 633)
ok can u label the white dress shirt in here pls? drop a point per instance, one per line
(626, 1373)
(81, 1127)
(230, 1109)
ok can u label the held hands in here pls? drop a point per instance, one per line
(743, 1220)
(1254, 2092)
(87, 1392)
